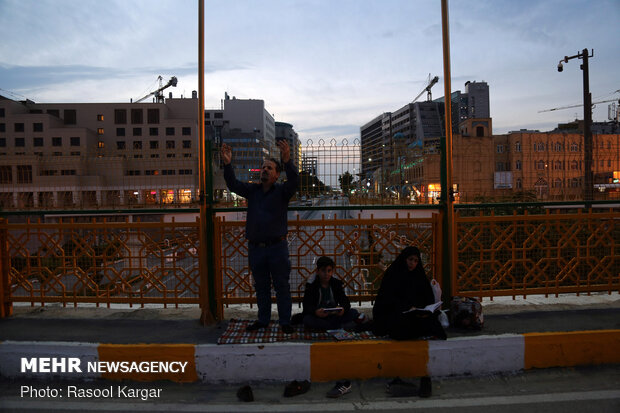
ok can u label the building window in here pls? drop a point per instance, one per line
(100, 144)
(137, 116)
(574, 183)
(137, 144)
(100, 118)
(120, 145)
(518, 147)
(187, 131)
(2, 112)
(2, 127)
(557, 183)
(499, 166)
(120, 116)
(153, 131)
(120, 131)
(100, 131)
(57, 141)
(70, 117)
(169, 131)
(609, 163)
(37, 142)
(75, 141)
(151, 172)
(574, 165)
(154, 155)
(138, 156)
(20, 142)
(2, 142)
(137, 131)
(67, 172)
(168, 172)
(187, 155)
(6, 174)
(518, 165)
(187, 144)
(24, 174)
(154, 144)
(133, 172)
(171, 155)
(152, 116)
(558, 147)
(75, 153)
(218, 115)
(19, 127)
(207, 115)
(518, 184)
(574, 147)
(558, 165)
(540, 165)
(37, 127)
(609, 143)
(500, 149)
(185, 171)
(169, 144)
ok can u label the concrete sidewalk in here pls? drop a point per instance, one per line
(520, 334)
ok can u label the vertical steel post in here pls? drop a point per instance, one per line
(6, 306)
(587, 132)
(205, 252)
(449, 240)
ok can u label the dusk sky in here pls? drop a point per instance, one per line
(327, 67)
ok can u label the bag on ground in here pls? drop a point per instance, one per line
(466, 313)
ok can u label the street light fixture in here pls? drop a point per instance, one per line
(588, 194)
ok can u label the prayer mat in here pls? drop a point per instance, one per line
(235, 334)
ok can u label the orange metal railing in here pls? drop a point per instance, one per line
(547, 254)
(101, 262)
(157, 262)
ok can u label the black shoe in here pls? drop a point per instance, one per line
(287, 328)
(245, 394)
(401, 388)
(295, 388)
(426, 387)
(257, 325)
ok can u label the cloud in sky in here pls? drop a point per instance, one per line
(327, 67)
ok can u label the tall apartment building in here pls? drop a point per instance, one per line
(89, 155)
(419, 124)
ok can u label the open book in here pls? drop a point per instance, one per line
(332, 309)
(341, 334)
(429, 308)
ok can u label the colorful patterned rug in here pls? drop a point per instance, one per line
(235, 334)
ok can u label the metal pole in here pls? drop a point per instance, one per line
(206, 239)
(588, 193)
(449, 239)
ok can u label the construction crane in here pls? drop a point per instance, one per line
(159, 97)
(427, 89)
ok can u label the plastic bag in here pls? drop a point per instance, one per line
(436, 290)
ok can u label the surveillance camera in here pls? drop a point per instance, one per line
(560, 67)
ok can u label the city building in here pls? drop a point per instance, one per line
(90, 155)
(286, 131)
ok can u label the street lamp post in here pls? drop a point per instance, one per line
(588, 191)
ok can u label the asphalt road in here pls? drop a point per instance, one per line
(586, 389)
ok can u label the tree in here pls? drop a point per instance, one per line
(346, 182)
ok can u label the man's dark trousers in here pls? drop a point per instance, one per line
(269, 264)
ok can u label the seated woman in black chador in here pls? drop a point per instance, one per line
(404, 287)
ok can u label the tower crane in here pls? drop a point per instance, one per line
(427, 89)
(159, 97)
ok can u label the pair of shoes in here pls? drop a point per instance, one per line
(426, 387)
(245, 394)
(401, 388)
(257, 325)
(295, 388)
(341, 387)
(287, 329)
